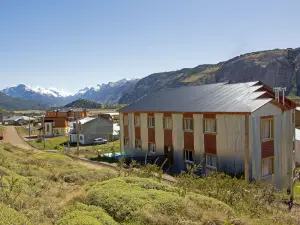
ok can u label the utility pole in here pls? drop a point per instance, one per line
(29, 126)
(77, 132)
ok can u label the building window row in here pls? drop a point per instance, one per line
(210, 125)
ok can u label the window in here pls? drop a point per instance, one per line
(151, 121)
(210, 126)
(151, 147)
(188, 156)
(48, 128)
(188, 124)
(267, 166)
(137, 120)
(138, 144)
(211, 161)
(266, 128)
(80, 138)
(53, 124)
(125, 118)
(126, 142)
(168, 123)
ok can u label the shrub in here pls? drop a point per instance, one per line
(81, 214)
(145, 201)
(11, 216)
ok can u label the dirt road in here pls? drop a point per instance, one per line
(11, 136)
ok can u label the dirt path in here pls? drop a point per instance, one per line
(11, 136)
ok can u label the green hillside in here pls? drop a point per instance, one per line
(51, 188)
(83, 103)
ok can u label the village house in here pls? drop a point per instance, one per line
(57, 122)
(238, 128)
(90, 128)
(18, 120)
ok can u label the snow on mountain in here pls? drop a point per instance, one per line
(109, 93)
(39, 90)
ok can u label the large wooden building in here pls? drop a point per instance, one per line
(57, 121)
(237, 128)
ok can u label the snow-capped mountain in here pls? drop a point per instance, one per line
(109, 93)
(48, 96)
(102, 93)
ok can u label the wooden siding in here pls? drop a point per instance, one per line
(126, 133)
(188, 115)
(210, 143)
(151, 135)
(189, 140)
(137, 133)
(168, 141)
(267, 148)
(209, 116)
(167, 114)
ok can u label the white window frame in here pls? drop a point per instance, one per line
(151, 147)
(208, 161)
(270, 125)
(140, 144)
(266, 160)
(186, 126)
(151, 121)
(187, 156)
(206, 126)
(137, 121)
(168, 123)
(126, 143)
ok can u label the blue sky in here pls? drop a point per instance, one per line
(71, 44)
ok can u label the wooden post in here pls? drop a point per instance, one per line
(246, 154)
(29, 126)
(43, 126)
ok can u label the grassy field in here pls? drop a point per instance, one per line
(50, 188)
(92, 152)
(22, 131)
(54, 143)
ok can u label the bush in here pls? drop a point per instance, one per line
(145, 201)
(81, 214)
(11, 216)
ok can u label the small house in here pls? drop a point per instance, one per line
(90, 128)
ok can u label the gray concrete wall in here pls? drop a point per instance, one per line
(97, 128)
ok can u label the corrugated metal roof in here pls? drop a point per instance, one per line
(219, 97)
(86, 119)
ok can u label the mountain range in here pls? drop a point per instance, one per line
(278, 67)
(102, 93)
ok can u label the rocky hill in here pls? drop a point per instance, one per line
(278, 67)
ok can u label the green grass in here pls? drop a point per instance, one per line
(92, 152)
(37, 187)
(1, 130)
(22, 131)
(54, 143)
(50, 188)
